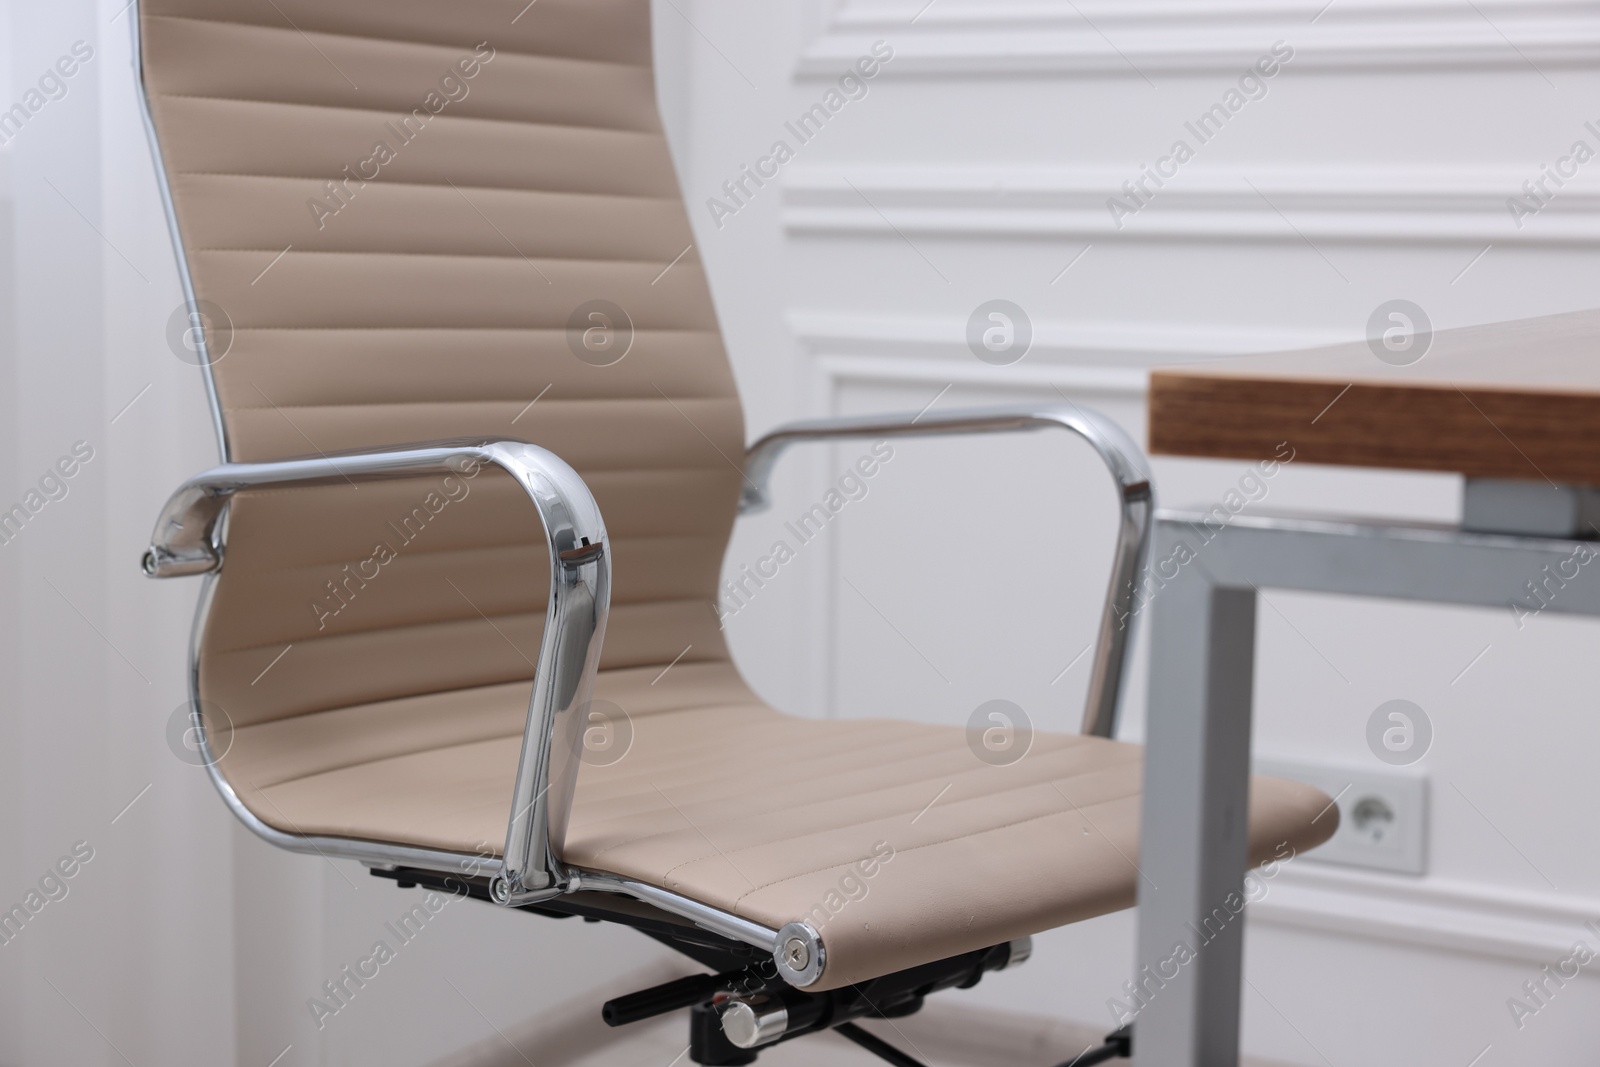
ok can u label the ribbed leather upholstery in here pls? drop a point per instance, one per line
(374, 647)
(435, 304)
(766, 815)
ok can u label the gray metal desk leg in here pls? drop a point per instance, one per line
(1194, 846)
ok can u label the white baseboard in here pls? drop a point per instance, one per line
(1435, 913)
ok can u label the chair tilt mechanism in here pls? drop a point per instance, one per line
(743, 1004)
(480, 459)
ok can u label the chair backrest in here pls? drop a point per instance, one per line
(415, 220)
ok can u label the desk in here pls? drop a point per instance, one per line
(1517, 400)
(1514, 406)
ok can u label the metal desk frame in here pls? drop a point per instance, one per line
(1197, 755)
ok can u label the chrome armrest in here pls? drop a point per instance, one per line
(1121, 455)
(188, 540)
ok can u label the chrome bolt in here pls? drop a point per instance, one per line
(796, 954)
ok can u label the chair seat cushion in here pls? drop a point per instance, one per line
(892, 838)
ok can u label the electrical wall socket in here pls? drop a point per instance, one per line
(1383, 815)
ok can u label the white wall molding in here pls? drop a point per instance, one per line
(926, 356)
(1355, 207)
(1440, 914)
(843, 371)
(1110, 356)
(1150, 38)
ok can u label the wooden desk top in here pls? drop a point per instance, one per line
(1510, 400)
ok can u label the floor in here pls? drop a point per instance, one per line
(945, 1034)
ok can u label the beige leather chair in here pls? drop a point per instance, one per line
(445, 294)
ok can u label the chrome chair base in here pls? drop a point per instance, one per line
(745, 1005)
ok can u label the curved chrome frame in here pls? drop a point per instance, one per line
(187, 540)
(1124, 459)
(714, 919)
(203, 555)
(224, 448)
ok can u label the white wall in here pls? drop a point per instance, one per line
(977, 167)
(136, 955)
(1377, 165)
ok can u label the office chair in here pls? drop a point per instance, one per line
(443, 290)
